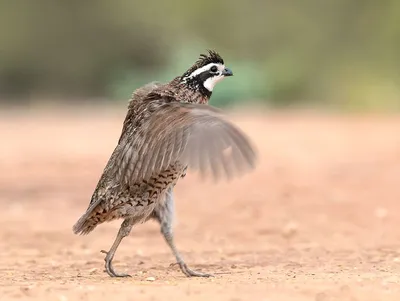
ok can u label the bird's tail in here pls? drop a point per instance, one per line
(84, 225)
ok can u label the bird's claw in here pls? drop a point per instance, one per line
(189, 272)
(110, 269)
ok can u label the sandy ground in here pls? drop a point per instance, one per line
(318, 219)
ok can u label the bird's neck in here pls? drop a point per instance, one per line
(188, 93)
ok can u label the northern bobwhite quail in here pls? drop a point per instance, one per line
(168, 128)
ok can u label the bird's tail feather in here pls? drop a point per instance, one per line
(84, 225)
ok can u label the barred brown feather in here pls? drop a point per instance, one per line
(190, 134)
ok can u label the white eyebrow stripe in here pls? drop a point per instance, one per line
(205, 68)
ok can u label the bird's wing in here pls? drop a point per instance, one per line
(195, 135)
(143, 91)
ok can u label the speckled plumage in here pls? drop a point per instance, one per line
(168, 128)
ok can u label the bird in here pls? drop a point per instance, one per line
(168, 129)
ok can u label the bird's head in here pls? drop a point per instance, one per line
(205, 73)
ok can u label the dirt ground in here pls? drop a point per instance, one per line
(317, 220)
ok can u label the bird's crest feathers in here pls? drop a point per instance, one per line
(205, 59)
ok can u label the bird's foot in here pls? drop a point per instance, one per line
(109, 268)
(190, 273)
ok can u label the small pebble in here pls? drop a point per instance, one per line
(26, 290)
(150, 279)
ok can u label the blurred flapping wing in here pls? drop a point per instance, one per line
(191, 134)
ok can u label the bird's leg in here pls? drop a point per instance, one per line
(184, 268)
(124, 230)
(164, 214)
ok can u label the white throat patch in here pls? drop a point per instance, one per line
(210, 82)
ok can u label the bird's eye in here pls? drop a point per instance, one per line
(214, 69)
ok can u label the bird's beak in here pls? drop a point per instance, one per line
(227, 72)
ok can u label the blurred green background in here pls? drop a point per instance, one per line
(335, 54)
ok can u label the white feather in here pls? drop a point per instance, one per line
(212, 81)
(205, 68)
